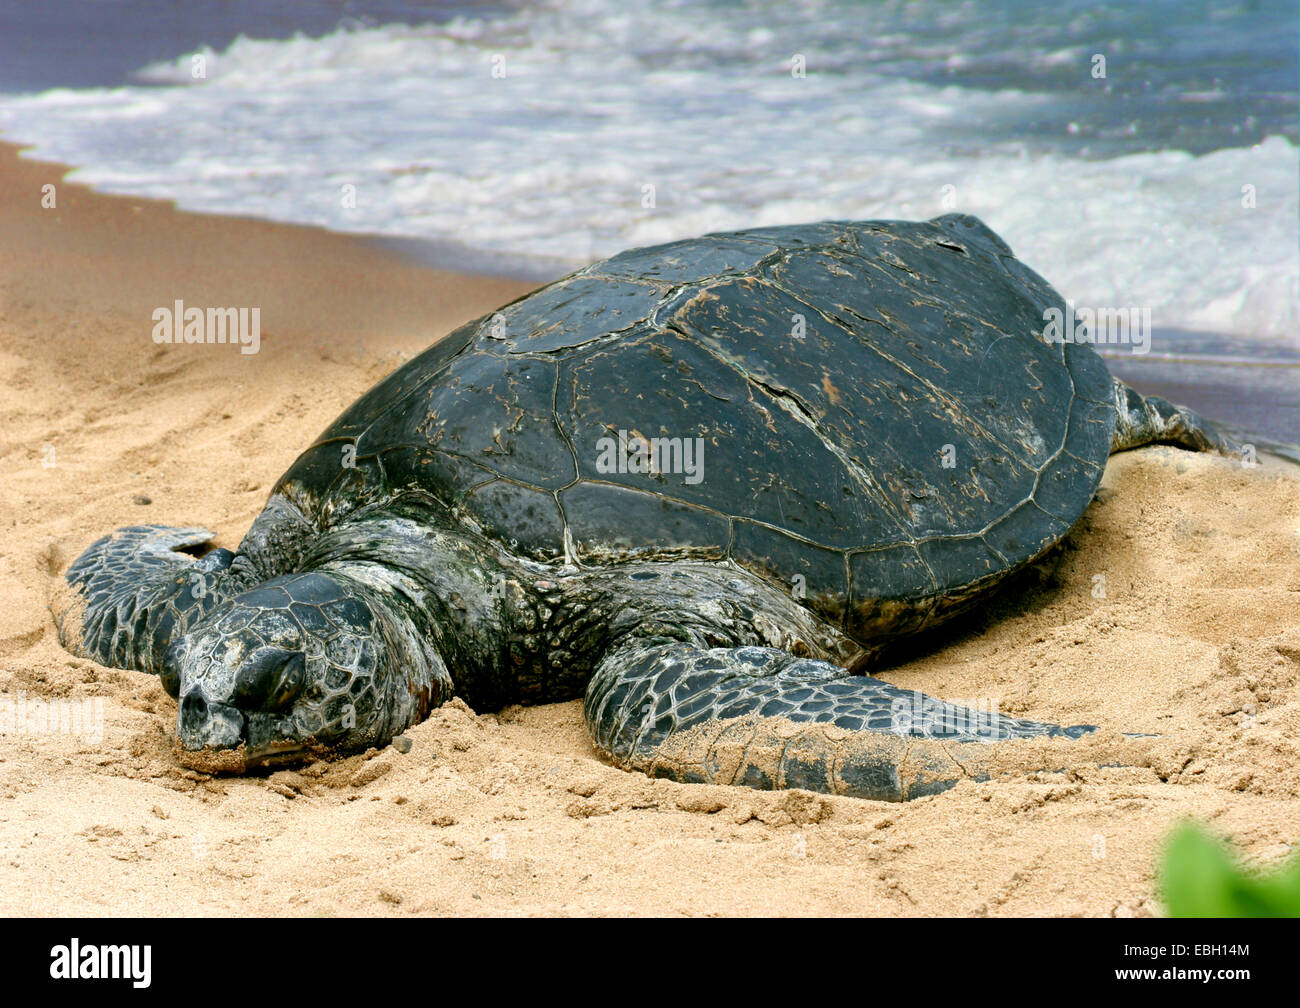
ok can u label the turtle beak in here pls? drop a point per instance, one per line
(268, 742)
(216, 735)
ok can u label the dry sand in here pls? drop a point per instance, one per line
(1197, 638)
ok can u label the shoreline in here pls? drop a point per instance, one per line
(211, 250)
(1250, 388)
(1195, 639)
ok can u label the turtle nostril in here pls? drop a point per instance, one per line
(194, 712)
(270, 680)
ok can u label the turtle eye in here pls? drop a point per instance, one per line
(270, 680)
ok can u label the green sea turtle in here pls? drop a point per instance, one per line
(700, 484)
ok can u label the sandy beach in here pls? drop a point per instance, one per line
(1196, 639)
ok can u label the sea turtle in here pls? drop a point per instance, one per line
(701, 484)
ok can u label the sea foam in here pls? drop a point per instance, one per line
(558, 135)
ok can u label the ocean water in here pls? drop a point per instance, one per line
(529, 138)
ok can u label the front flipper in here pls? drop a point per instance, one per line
(762, 718)
(131, 592)
(1142, 420)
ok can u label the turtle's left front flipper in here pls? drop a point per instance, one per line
(1143, 420)
(763, 718)
(131, 592)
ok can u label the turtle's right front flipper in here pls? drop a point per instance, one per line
(133, 591)
(763, 718)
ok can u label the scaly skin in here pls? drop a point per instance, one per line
(133, 591)
(674, 710)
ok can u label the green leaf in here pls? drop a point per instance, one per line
(1200, 878)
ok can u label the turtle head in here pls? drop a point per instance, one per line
(297, 665)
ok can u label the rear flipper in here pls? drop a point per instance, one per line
(1142, 420)
(762, 718)
(131, 592)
